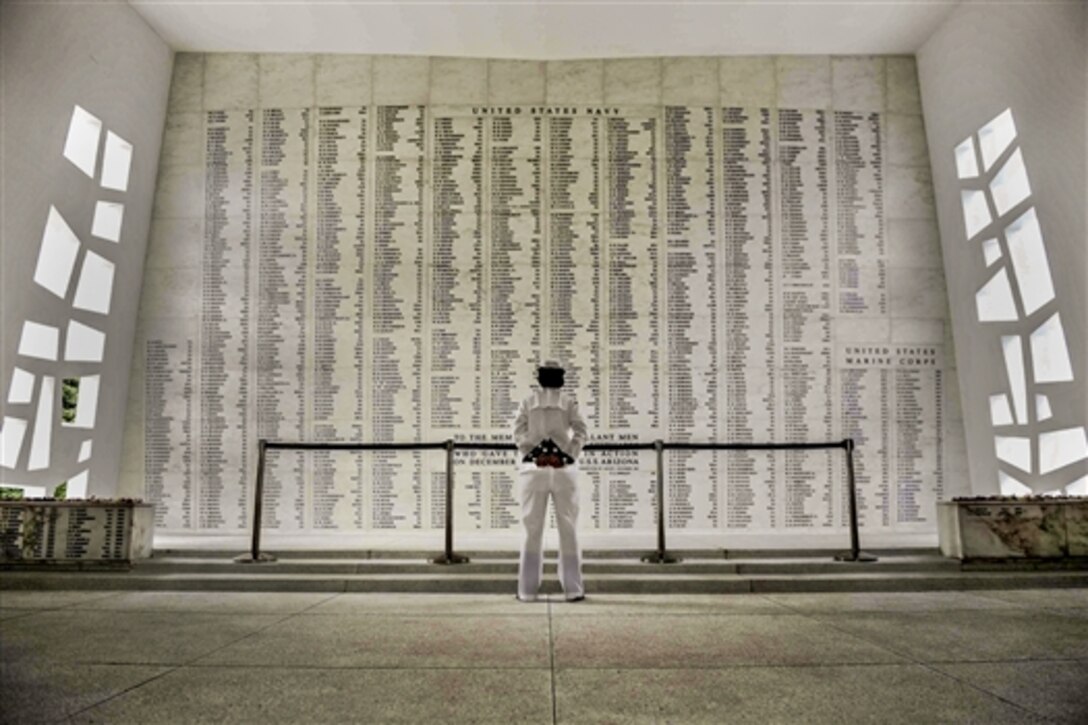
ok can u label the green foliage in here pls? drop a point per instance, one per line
(11, 494)
(69, 399)
(61, 492)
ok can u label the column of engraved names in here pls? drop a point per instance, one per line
(919, 438)
(396, 314)
(752, 289)
(339, 247)
(455, 307)
(691, 300)
(632, 338)
(859, 240)
(513, 266)
(575, 176)
(282, 314)
(806, 314)
(865, 374)
(168, 431)
(225, 441)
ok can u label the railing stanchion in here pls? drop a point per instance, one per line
(448, 557)
(855, 553)
(255, 556)
(659, 556)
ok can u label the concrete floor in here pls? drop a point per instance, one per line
(182, 657)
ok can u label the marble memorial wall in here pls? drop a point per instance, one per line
(349, 248)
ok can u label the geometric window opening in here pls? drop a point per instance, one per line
(39, 341)
(107, 220)
(85, 450)
(95, 284)
(1042, 408)
(1010, 486)
(1078, 487)
(995, 137)
(1010, 186)
(43, 427)
(21, 390)
(83, 343)
(994, 301)
(991, 251)
(1029, 261)
(976, 215)
(1000, 413)
(1014, 450)
(1014, 369)
(11, 440)
(81, 146)
(1059, 448)
(116, 162)
(86, 404)
(69, 399)
(77, 486)
(57, 255)
(966, 162)
(1049, 354)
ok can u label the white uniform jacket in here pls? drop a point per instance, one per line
(550, 413)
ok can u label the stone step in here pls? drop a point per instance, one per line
(258, 578)
(910, 573)
(510, 566)
(634, 554)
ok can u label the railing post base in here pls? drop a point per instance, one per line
(860, 556)
(660, 557)
(262, 558)
(445, 560)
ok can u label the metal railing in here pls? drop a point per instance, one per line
(658, 556)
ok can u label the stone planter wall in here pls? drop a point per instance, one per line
(75, 531)
(1055, 528)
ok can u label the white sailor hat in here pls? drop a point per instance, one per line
(550, 364)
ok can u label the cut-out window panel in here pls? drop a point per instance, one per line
(1013, 350)
(1042, 408)
(43, 427)
(57, 254)
(77, 485)
(1010, 186)
(81, 146)
(995, 137)
(1049, 354)
(1010, 486)
(39, 341)
(69, 399)
(85, 450)
(976, 215)
(83, 343)
(966, 161)
(1015, 451)
(116, 162)
(1000, 413)
(1078, 487)
(87, 405)
(11, 441)
(28, 491)
(1029, 261)
(21, 390)
(994, 301)
(95, 284)
(1059, 448)
(107, 220)
(991, 251)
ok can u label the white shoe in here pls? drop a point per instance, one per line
(527, 600)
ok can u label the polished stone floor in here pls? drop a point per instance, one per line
(182, 657)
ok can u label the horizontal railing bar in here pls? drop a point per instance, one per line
(477, 446)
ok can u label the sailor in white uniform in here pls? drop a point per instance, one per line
(549, 433)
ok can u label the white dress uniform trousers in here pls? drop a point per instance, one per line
(549, 413)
